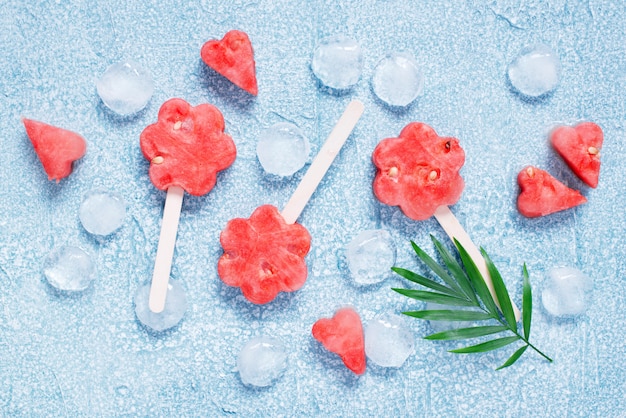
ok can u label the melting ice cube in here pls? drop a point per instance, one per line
(69, 268)
(535, 72)
(102, 212)
(388, 341)
(567, 292)
(261, 361)
(398, 79)
(125, 88)
(370, 256)
(282, 149)
(337, 62)
(175, 307)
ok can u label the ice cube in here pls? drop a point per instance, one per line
(567, 292)
(69, 268)
(398, 79)
(175, 307)
(102, 212)
(440, 326)
(337, 62)
(282, 149)
(388, 341)
(535, 71)
(370, 256)
(262, 361)
(125, 87)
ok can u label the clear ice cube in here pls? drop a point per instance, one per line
(388, 341)
(69, 268)
(125, 87)
(175, 307)
(398, 79)
(337, 62)
(535, 71)
(102, 212)
(567, 292)
(282, 149)
(370, 256)
(262, 361)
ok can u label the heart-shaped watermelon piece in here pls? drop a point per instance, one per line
(343, 335)
(57, 148)
(541, 194)
(580, 148)
(187, 146)
(233, 57)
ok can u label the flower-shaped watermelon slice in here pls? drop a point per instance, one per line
(187, 146)
(57, 148)
(343, 335)
(418, 171)
(232, 57)
(264, 255)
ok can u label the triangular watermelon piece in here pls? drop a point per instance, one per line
(343, 335)
(580, 148)
(541, 194)
(56, 148)
(233, 57)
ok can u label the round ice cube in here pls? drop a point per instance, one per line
(370, 256)
(175, 307)
(125, 87)
(261, 361)
(398, 79)
(388, 341)
(282, 149)
(102, 212)
(535, 71)
(567, 292)
(337, 62)
(69, 268)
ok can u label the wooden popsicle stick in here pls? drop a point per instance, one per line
(165, 249)
(453, 228)
(322, 161)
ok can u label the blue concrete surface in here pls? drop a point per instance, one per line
(87, 355)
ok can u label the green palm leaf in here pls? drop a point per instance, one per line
(486, 346)
(455, 269)
(518, 353)
(463, 333)
(504, 300)
(449, 315)
(426, 282)
(433, 297)
(436, 268)
(527, 304)
(477, 279)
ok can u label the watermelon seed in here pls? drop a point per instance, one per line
(393, 172)
(448, 146)
(433, 175)
(530, 172)
(157, 160)
(177, 125)
(593, 150)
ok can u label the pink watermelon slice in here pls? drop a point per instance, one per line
(580, 148)
(343, 335)
(56, 148)
(233, 57)
(187, 146)
(264, 255)
(418, 171)
(541, 194)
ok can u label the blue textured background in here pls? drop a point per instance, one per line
(88, 356)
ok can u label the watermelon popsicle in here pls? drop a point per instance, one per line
(419, 171)
(186, 148)
(264, 255)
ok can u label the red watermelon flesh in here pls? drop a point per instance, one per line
(580, 148)
(264, 255)
(232, 57)
(343, 335)
(187, 146)
(541, 194)
(418, 171)
(56, 148)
